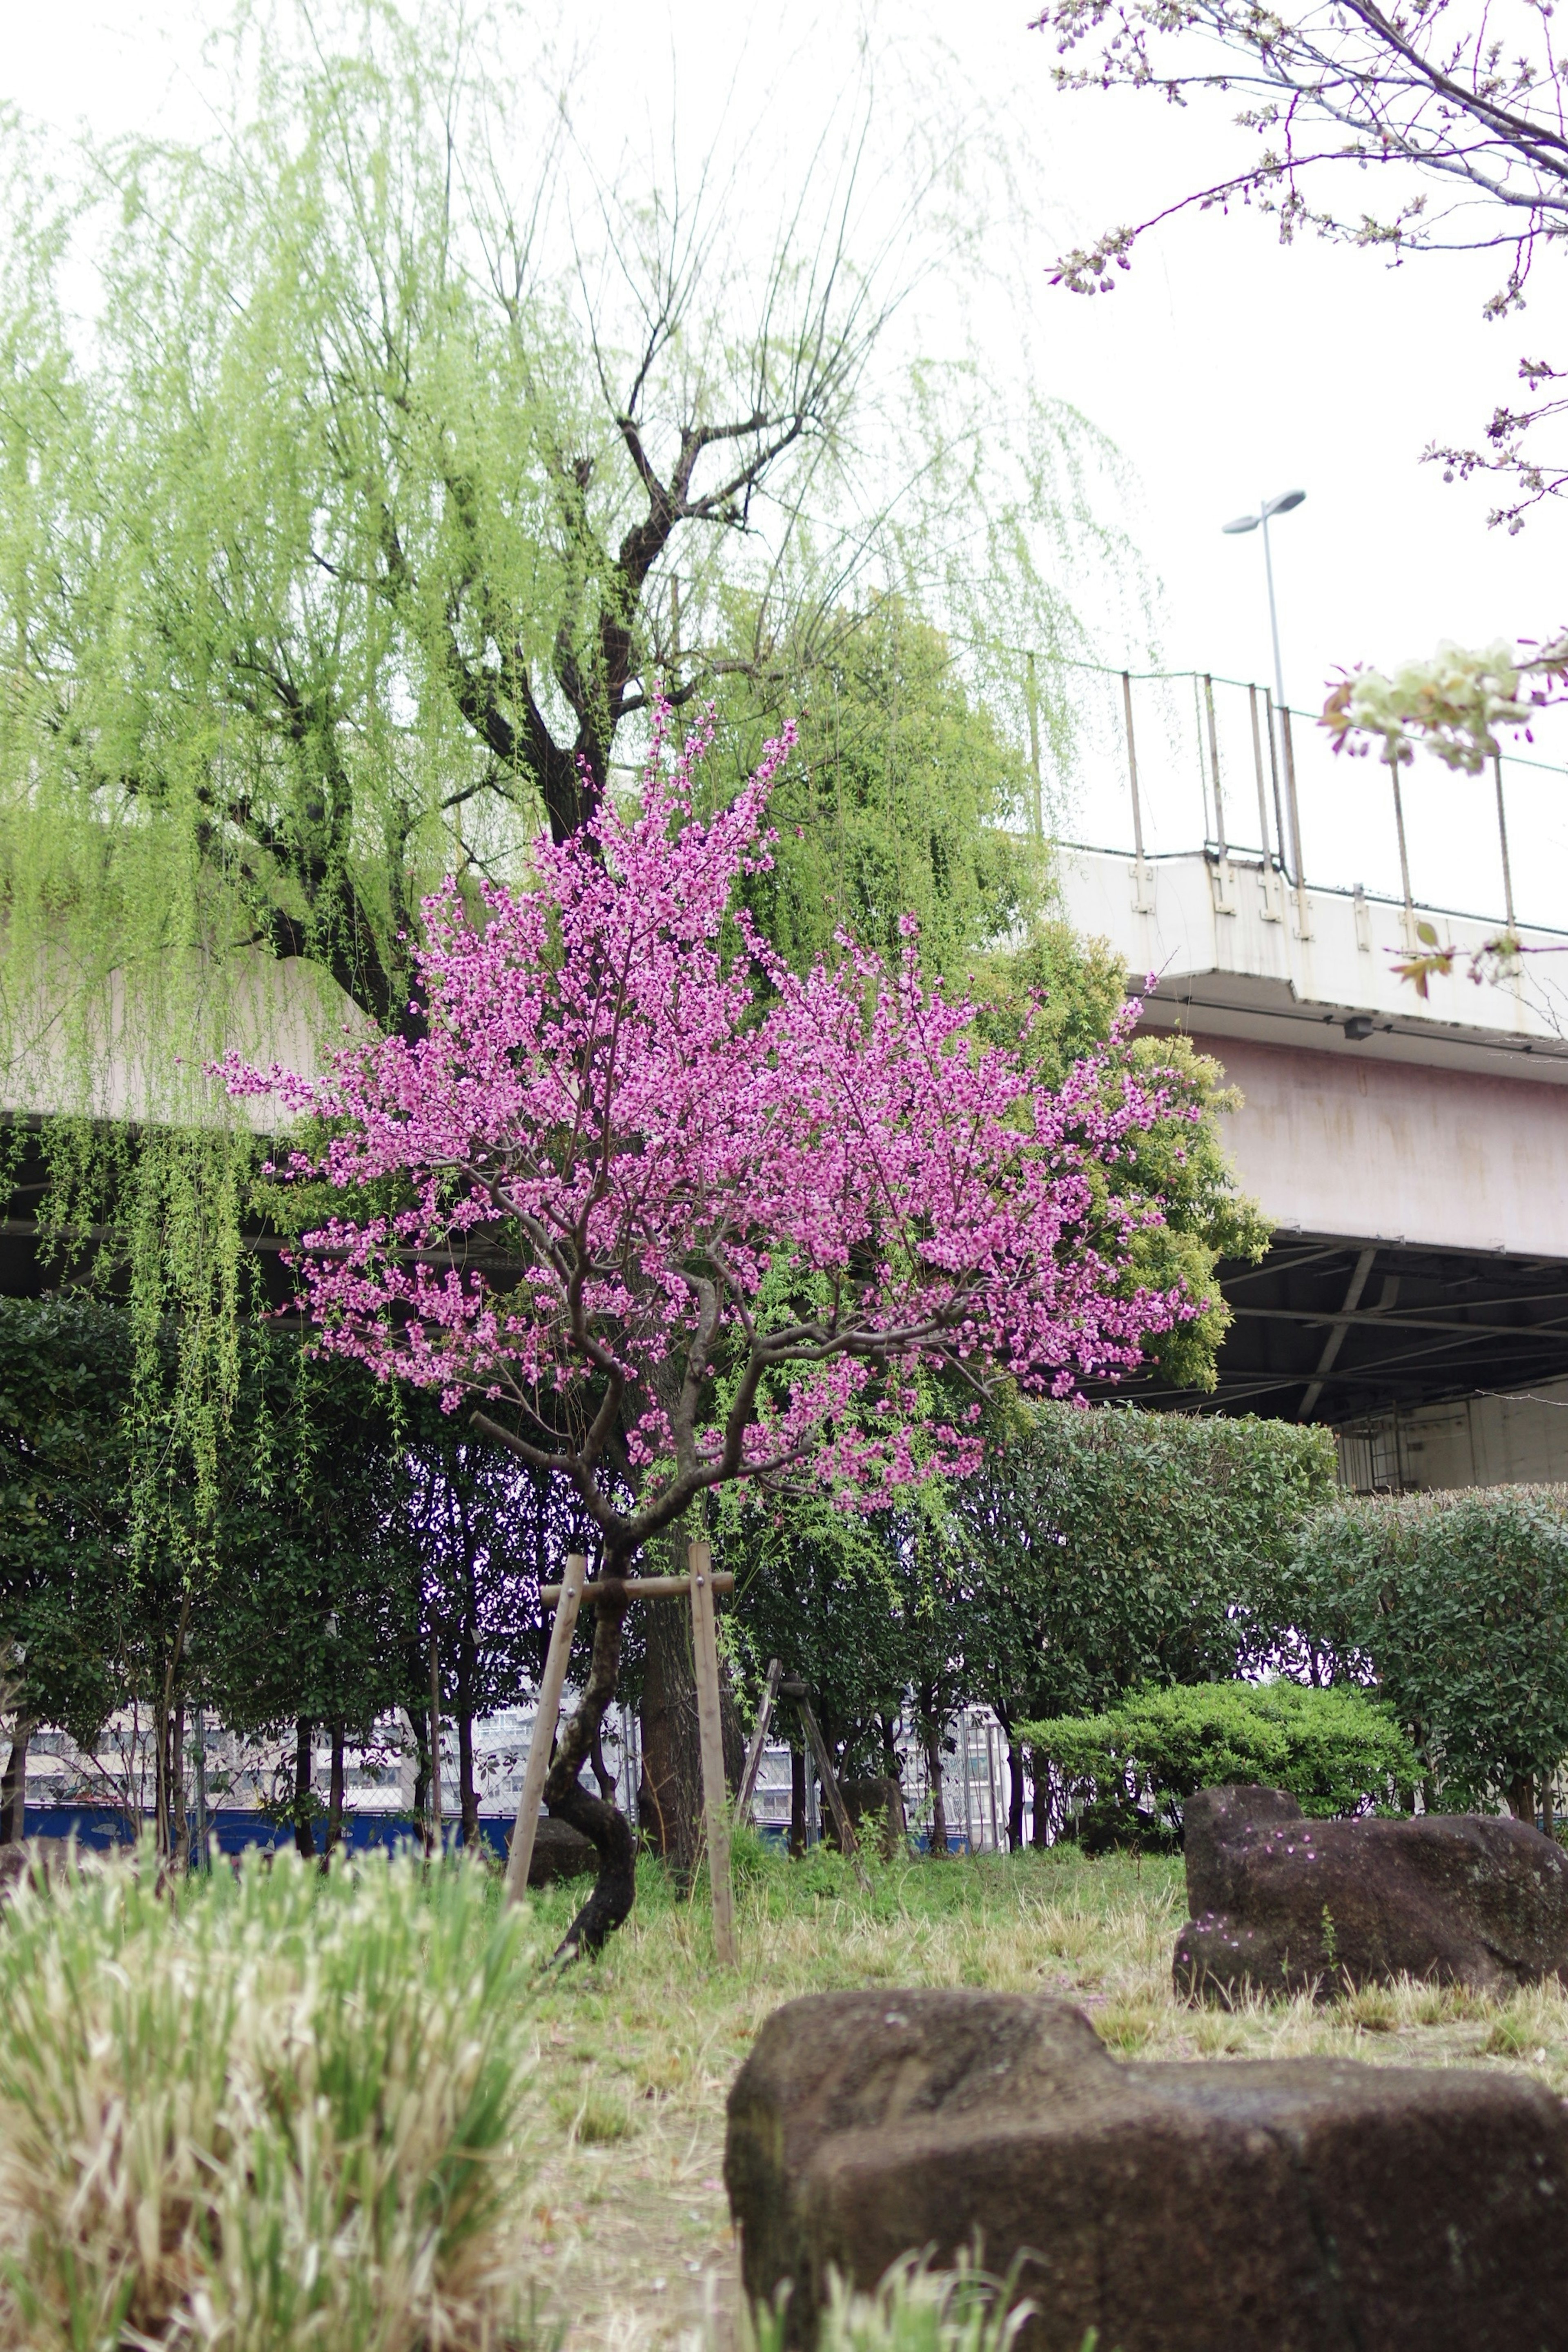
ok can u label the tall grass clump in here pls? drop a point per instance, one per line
(276, 2112)
(914, 2308)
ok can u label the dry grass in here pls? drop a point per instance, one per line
(636, 2053)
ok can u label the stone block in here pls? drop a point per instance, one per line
(1314, 2205)
(1283, 1904)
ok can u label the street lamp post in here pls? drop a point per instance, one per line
(1285, 503)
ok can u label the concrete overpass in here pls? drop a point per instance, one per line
(1414, 1154)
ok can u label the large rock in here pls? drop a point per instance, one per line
(1314, 2205)
(875, 1802)
(1283, 1904)
(38, 1858)
(559, 1852)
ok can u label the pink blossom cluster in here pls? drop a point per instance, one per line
(688, 1215)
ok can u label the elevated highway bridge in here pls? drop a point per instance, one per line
(1413, 1154)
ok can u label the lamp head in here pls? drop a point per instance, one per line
(1286, 503)
(1242, 522)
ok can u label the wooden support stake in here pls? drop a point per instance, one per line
(639, 1588)
(848, 1842)
(715, 1796)
(759, 1739)
(544, 1722)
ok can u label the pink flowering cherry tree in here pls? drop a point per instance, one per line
(667, 1214)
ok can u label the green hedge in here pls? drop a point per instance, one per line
(1456, 1605)
(1129, 1769)
(1101, 1551)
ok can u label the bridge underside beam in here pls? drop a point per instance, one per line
(1420, 1325)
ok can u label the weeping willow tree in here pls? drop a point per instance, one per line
(365, 469)
(349, 516)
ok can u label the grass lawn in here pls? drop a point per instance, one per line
(637, 2050)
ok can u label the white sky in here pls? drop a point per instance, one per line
(1223, 366)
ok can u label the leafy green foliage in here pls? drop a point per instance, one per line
(283, 2110)
(1101, 1551)
(64, 1541)
(1456, 1605)
(905, 797)
(1130, 1768)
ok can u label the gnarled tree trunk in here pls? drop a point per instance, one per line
(608, 1831)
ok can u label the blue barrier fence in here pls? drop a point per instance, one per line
(232, 1829)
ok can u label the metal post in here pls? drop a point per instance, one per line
(1404, 856)
(1214, 771)
(1273, 614)
(1133, 767)
(1269, 708)
(1142, 895)
(1303, 910)
(544, 1721)
(1031, 693)
(968, 1823)
(1502, 839)
(1258, 767)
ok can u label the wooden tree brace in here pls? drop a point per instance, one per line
(639, 1588)
(701, 1584)
(759, 1740)
(546, 1716)
(847, 1841)
(715, 1796)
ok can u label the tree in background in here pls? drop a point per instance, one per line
(482, 1531)
(1455, 1607)
(1102, 1551)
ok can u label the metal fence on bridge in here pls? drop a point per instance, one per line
(1164, 762)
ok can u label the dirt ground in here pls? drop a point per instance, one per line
(630, 2240)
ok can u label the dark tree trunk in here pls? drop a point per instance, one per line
(419, 1719)
(797, 1801)
(304, 1832)
(179, 1823)
(938, 1804)
(467, 1795)
(14, 1787)
(336, 1794)
(670, 1802)
(1521, 1799)
(608, 1831)
(1041, 1772)
(1015, 1795)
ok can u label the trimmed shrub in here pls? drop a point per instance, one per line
(1104, 1549)
(260, 2114)
(1456, 1606)
(1129, 1770)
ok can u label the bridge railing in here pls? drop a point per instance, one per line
(1171, 760)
